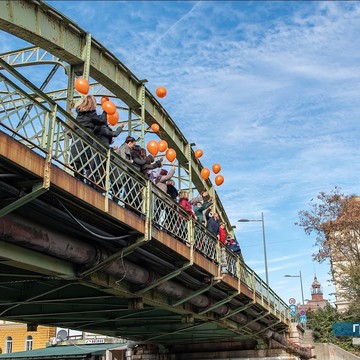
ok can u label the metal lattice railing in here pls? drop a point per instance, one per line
(34, 119)
(205, 242)
(169, 216)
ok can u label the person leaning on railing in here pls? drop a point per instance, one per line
(159, 177)
(124, 150)
(199, 209)
(172, 190)
(127, 190)
(212, 221)
(81, 153)
(143, 162)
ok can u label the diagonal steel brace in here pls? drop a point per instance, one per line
(37, 190)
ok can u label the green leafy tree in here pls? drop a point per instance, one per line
(335, 220)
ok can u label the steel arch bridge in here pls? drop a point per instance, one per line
(72, 257)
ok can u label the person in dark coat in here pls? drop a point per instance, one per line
(143, 162)
(82, 158)
(105, 134)
(212, 222)
(233, 245)
(123, 185)
(172, 190)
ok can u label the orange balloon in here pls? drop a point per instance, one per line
(219, 180)
(205, 173)
(82, 86)
(161, 92)
(113, 119)
(163, 145)
(153, 147)
(170, 154)
(216, 168)
(109, 107)
(155, 127)
(198, 153)
(104, 98)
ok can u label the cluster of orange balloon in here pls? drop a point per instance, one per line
(82, 86)
(110, 108)
(219, 179)
(205, 172)
(155, 147)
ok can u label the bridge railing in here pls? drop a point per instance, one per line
(34, 119)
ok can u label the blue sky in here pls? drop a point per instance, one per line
(269, 90)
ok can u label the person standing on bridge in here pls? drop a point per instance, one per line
(125, 149)
(82, 148)
(222, 234)
(172, 190)
(143, 162)
(200, 207)
(130, 189)
(159, 177)
(212, 221)
(105, 134)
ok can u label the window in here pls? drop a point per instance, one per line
(29, 343)
(8, 345)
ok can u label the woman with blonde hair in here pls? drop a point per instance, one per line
(82, 154)
(186, 203)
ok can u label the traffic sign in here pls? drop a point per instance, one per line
(292, 301)
(302, 312)
(302, 318)
(292, 310)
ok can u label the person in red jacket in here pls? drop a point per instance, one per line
(222, 234)
(186, 203)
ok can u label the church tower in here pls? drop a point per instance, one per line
(317, 300)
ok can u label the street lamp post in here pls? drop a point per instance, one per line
(301, 284)
(264, 243)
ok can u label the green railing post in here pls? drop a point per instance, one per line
(148, 209)
(143, 123)
(107, 178)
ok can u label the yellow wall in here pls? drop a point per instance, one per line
(19, 333)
